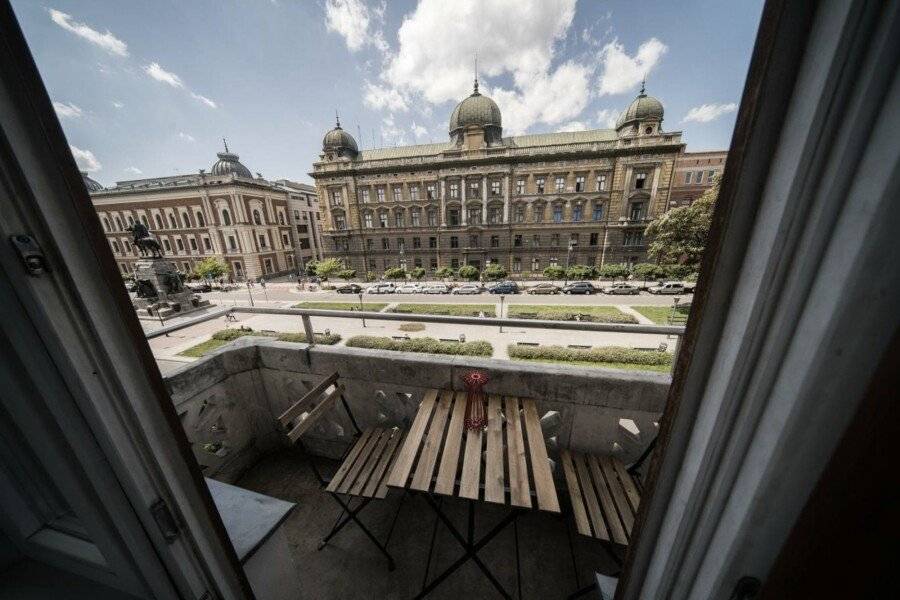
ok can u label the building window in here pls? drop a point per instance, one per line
(180, 243)
(207, 244)
(553, 262)
(454, 263)
(296, 215)
(535, 265)
(398, 193)
(453, 217)
(495, 241)
(232, 244)
(172, 222)
(116, 248)
(517, 265)
(340, 222)
(417, 263)
(413, 192)
(167, 245)
(200, 221)
(268, 265)
(579, 183)
(256, 218)
(536, 241)
(474, 188)
(184, 218)
(400, 218)
(337, 198)
(454, 241)
(106, 226)
(280, 218)
(537, 213)
(495, 215)
(370, 244)
(539, 185)
(284, 240)
(698, 177)
(474, 215)
(554, 240)
(598, 212)
(517, 240)
(417, 242)
(414, 217)
(495, 188)
(367, 220)
(454, 190)
(379, 193)
(147, 223)
(577, 213)
(637, 211)
(640, 180)
(634, 238)
(401, 245)
(709, 176)
(519, 214)
(687, 177)
(385, 244)
(594, 238)
(432, 263)
(557, 214)
(226, 217)
(474, 241)
(432, 217)
(560, 184)
(573, 239)
(430, 191)
(130, 220)
(382, 219)
(364, 195)
(342, 243)
(119, 224)
(193, 243)
(262, 241)
(520, 186)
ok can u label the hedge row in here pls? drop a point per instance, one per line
(227, 335)
(602, 354)
(425, 345)
(456, 310)
(599, 314)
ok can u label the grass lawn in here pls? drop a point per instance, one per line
(659, 314)
(455, 310)
(203, 347)
(612, 365)
(368, 306)
(599, 314)
(224, 336)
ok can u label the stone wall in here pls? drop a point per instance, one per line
(234, 396)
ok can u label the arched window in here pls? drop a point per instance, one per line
(200, 221)
(173, 222)
(159, 224)
(105, 224)
(144, 221)
(281, 218)
(186, 219)
(118, 224)
(130, 220)
(115, 246)
(226, 217)
(256, 217)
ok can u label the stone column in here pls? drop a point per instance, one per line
(484, 198)
(465, 210)
(443, 199)
(507, 181)
(653, 189)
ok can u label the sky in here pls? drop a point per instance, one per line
(148, 89)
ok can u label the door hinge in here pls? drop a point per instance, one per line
(29, 253)
(166, 522)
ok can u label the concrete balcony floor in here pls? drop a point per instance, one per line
(350, 566)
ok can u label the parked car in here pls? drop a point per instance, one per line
(382, 288)
(622, 288)
(408, 288)
(579, 287)
(468, 288)
(200, 287)
(504, 287)
(544, 288)
(435, 288)
(350, 288)
(670, 288)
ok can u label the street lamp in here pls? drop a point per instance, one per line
(568, 258)
(249, 293)
(502, 298)
(361, 308)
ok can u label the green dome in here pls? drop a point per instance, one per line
(475, 110)
(643, 108)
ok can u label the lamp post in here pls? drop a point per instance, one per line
(361, 308)
(502, 298)
(249, 293)
(568, 258)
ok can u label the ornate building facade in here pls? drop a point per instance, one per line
(525, 202)
(257, 227)
(694, 173)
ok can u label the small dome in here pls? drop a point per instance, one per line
(339, 141)
(228, 163)
(643, 108)
(90, 184)
(475, 110)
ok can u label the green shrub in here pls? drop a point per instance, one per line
(692, 277)
(418, 273)
(580, 272)
(444, 272)
(228, 335)
(678, 271)
(554, 272)
(645, 271)
(326, 339)
(328, 267)
(310, 267)
(425, 345)
(468, 272)
(613, 271)
(456, 310)
(493, 272)
(395, 273)
(412, 327)
(548, 312)
(347, 274)
(370, 276)
(601, 354)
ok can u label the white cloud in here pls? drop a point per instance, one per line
(107, 40)
(204, 100)
(158, 73)
(354, 21)
(117, 104)
(574, 126)
(621, 72)
(85, 159)
(66, 111)
(391, 133)
(133, 171)
(185, 137)
(708, 112)
(418, 130)
(607, 117)
(381, 97)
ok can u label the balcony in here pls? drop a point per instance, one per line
(233, 397)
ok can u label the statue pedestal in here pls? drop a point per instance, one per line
(161, 293)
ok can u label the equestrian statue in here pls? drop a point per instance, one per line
(144, 241)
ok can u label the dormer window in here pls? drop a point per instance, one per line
(648, 130)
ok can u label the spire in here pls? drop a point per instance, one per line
(475, 91)
(337, 119)
(226, 145)
(643, 86)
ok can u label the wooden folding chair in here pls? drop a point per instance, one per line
(365, 465)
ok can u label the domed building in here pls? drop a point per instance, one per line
(523, 202)
(229, 163)
(90, 184)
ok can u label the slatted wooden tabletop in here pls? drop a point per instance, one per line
(506, 463)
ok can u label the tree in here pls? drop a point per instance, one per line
(468, 272)
(418, 273)
(395, 273)
(310, 268)
(647, 271)
(493, 272)
(211, 268)
(347, 274)
(444, 272)
(580, 272)
(328, 267)
(680, 235)
(612, 271)
(678, 271)
(554, 272)
(370, 276)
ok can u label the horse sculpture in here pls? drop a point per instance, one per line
(143, 241)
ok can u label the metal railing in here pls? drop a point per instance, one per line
(306, 315)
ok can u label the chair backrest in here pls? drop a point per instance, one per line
(304, 413)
